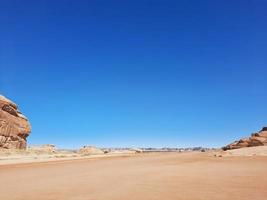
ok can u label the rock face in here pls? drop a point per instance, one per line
(14, 126)
(256, 139)
(90, 150)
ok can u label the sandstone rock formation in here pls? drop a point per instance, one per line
(90, 150)
(14, 126)
(256, 139)
(136, 150)
(45, 148)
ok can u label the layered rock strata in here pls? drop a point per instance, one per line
(256, 139)
(14, 126)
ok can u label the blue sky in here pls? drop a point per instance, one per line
(136, 73)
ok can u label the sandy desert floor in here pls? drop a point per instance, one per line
(149, 176)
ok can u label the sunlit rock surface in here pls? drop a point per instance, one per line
(256, 139)
(14, 126)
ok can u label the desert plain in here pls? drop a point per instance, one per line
(47, 173)
(144, 176)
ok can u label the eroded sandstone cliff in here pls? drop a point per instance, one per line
(14, 126)
(256, 139)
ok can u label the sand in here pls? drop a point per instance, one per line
(248, 151)
(11, 156)
(148, 176)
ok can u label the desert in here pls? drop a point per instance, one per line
(133, 100)
(189, 176)
(236, 171)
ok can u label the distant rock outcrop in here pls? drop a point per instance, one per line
(14, 126)
(256, 139)
(45, 148)
(90, 150)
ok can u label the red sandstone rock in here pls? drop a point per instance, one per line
(14, 126)
(256, 139)
(263, 134)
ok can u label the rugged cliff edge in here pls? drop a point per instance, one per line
(14, 126)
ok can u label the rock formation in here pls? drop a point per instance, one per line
(45, 148)
(14, 126)
(256, 139)
(90, 150)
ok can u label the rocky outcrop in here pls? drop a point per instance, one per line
(45, 148)
(90, 150)
(14, 126)
(256, 139)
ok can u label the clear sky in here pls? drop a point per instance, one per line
(136, 73)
